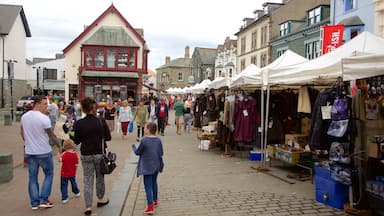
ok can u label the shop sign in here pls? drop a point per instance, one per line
(332, 37)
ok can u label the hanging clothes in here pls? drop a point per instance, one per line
(304, 104)
(197, 112)
(244, 117)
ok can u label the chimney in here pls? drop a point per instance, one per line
(167, 59)
(186, 55)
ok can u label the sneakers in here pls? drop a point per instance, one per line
(149, 210)
(138, 139)
(77, 195)
(46, 204)
(35, 207)
(155, 203)
(65, 200)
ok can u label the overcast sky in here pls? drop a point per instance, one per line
(169, 25)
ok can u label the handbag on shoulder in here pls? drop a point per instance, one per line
(108, 163)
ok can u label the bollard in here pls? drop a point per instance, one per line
(6, 167)
(18, 116)
(7, 119)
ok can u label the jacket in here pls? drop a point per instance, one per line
(158, 111)
(150, 151)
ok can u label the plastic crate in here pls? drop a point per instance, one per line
(322, 172)
(330, 192)
(255, 156)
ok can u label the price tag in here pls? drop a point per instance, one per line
(326, 112)
(245, 112)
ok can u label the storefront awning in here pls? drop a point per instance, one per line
(151, 88)
(109, 74)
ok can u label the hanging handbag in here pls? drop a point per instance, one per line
(130, 128)
(108, 163)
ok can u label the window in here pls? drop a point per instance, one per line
(284, 29)
(230, 72)
(219, 75)
(254, 60)
(180, 76)
(314, 16)
(350, 5)
(312, 50)
(281, 51)
(111, 58)
(242, 64)
(49, 74)
(254, 40)
(242, 45)
(264, 35)
(354, 32)
(263, 60)
(107, 58)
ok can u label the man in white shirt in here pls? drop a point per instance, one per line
(36, 131)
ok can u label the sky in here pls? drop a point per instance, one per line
(169, 25)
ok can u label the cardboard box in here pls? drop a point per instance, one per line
(296, 140)
(373, 150)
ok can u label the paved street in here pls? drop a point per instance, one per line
(194, 182)
(198, 182)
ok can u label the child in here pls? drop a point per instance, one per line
(150, 163)
(70, 162)
(69, 125)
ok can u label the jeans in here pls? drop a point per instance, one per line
(45, 161)
(64, 186)
(150, 185)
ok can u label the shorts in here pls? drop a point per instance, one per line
(178, 119)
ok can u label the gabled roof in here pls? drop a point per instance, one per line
(207, 55)
(179, 62)
(111, 36)
(112, 10)
(8, 15)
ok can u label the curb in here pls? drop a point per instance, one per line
(121, 187)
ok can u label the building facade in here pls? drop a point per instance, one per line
(14, 32)
(379, 17)
(174, 73)
(202, 65)
(301, 36)
(356, 16)
(108, 58)
(225, 62)
(253, 38)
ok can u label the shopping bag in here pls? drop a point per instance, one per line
(130, 128)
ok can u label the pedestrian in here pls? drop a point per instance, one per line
(109, 115)
(69, 125)
(141, 116)
(125, 116)
(179, 108)
(187, 116)
(53, 110)
(36, 131)
(162, 116)
(69, 164)
(152, 111)
(150, 164)
(90, 133)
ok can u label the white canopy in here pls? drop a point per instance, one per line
(200, 87)
(251, 75)
(359, 67)
(220, 82)
(328, 67)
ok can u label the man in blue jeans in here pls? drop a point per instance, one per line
(36, 130)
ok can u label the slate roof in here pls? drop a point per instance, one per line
(179, 62)
(111, 36)
(8, 15)
(207, 55)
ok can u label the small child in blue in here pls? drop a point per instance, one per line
(70, 161)
(150, 164)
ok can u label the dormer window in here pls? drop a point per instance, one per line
(284, 28)
(314, 16)
(349, 5)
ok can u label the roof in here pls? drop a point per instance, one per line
(111, 10)
(352, 21)
(208, 55)
(8, 15)
(111, 36)
(179, 62)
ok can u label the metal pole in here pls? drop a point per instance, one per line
(266, 121)
(262, 125)
(2, 77)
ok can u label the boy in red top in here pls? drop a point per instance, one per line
(69, 165)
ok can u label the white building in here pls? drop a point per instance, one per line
(225, 62)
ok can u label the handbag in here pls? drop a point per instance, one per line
(108, 163)
(130, 128)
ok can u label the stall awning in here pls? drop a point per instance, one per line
(151, 88)
(54, 85)
(109, 74)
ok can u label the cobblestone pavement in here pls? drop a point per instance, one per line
(198, 182)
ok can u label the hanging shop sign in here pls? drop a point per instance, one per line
(332, 37)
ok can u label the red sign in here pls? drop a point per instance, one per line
(332, 37)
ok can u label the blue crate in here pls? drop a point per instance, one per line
(322, 172)
(255, 156)
(330, 192)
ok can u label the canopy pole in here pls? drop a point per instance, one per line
(266, 124)
(262, 125)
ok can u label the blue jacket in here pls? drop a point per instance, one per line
(165, 110)
(150, 151)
